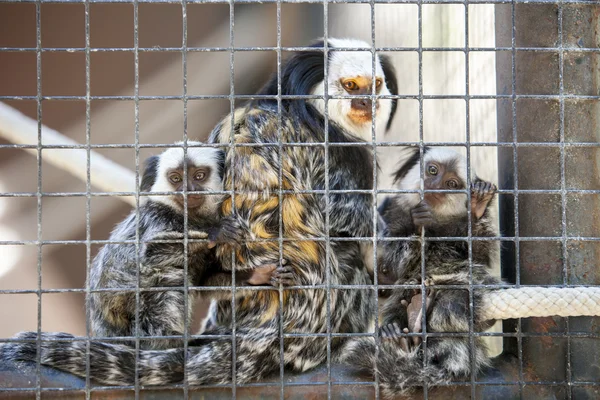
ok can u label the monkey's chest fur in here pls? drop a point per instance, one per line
(258, 172)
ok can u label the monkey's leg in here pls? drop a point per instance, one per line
(162, 313)
(452, 355)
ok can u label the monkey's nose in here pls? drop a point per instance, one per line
(362, 104)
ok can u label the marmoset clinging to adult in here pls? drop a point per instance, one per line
(401, 363)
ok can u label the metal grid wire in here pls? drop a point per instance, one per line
(512, 145)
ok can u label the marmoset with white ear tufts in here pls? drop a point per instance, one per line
(161, 261)
(401, 363)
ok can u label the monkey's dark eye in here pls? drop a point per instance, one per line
(378, 83)
(199, 176)
(350, 85)
(175, 178)
(452, 184)
(384, 271)
(432, 170)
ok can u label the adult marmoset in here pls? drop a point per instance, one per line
(286, 149)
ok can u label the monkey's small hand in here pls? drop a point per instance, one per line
(283, 275)
(422, 215)
(262, 275)
(482, 193)
(230, 231)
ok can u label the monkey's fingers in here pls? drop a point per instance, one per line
(232, 234)
(422, 215)
(385, 333)
(391, 330)
(283, 279)
(283, 274)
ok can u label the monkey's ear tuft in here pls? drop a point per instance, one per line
(391, 81)
(412, 161)
(150, 172)
(220, 160)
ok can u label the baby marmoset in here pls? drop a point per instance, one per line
(401, 363)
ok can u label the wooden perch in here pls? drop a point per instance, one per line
(105, 174)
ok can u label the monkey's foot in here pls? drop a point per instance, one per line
(283, 275)
(482, 193)
(414, 310)
(422, 215)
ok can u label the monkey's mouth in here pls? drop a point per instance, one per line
(434, 198)
(193, 200)
(363, 113)
(360, 116)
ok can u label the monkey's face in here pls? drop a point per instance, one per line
(350, 81)
(440, 176)
(443, 170)
(197, 178)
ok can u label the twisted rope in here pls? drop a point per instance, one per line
(541, 302)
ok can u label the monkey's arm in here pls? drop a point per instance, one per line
(168, 253)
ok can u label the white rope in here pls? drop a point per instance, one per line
(534, 301)
(105, 174)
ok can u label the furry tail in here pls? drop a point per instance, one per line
(400, 372)
(109, 363)
(115, 364)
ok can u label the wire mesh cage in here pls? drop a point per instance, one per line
(93, 88)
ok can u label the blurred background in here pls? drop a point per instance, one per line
(208, 73)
